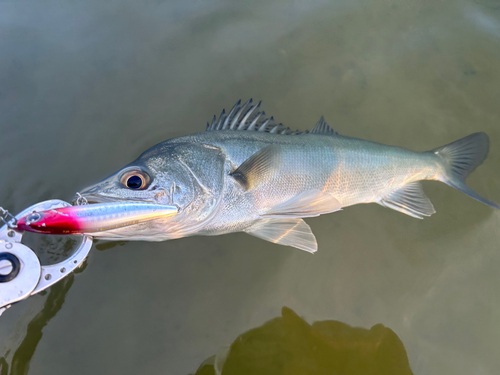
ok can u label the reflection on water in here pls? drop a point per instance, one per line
(102, 246)
(288, 345)
(51, 249)
(20, 363)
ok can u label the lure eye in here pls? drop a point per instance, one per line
(135, 179)
(33, 218)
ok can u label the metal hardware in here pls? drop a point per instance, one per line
(80, 199)
(11, 269)
(21, 274)
(7, 218)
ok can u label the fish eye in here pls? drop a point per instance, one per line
(135, 182)
(135, 179)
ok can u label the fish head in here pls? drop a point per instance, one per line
(189, 176)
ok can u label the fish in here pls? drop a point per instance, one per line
(89, 219)
(247, 173)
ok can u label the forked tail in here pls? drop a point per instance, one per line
(460, 158)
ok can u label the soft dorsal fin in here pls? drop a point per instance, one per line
(287, 232)
(258, 168)
(248, 117)
(322, 127)
(410, 200)
(307, 204)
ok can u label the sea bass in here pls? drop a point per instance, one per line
(246, 173)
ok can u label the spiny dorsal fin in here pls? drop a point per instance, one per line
(258, 168)
(287, 232)
(248, 117)
(322, 127)
(410, 200)
(307, 204)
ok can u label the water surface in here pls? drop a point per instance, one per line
(85, 87)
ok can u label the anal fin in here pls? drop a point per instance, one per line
(307, 204)
(287, 232)
(410, 200)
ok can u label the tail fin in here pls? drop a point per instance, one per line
(460, 158)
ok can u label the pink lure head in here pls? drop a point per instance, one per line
(56, 221)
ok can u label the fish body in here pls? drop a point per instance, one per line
(248, 174)
(92, 218)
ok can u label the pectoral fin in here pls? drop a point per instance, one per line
(287, 232)
(307, 204)
(258, 168)
(410, 200)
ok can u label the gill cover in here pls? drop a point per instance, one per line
(204, 167)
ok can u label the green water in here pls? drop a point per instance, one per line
(85, 87)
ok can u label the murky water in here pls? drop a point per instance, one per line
(86, 87)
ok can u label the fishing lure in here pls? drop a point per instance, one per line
(93, 218)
